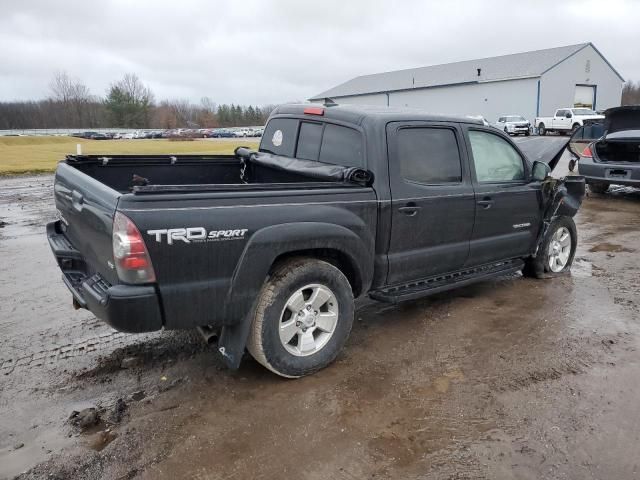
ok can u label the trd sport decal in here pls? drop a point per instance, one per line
(196, 235)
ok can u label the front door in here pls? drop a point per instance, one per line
(507, 201)
(433, 204)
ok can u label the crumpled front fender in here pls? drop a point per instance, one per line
(561, 197)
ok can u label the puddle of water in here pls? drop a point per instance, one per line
(99, 440)
(610, 247)
(581, 268)
(442, 384)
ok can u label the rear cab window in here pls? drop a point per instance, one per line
(316, 141)
(279, 137)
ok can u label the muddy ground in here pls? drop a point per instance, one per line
(512, 378)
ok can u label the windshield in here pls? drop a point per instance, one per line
(515, 118)
(583, 111)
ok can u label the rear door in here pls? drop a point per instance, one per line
(433, 204)
(507, 206)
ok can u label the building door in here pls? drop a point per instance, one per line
(585, 96)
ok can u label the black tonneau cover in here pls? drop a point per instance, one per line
(312, 169)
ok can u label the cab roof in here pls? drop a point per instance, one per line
(359, 114)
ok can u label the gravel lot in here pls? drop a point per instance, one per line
(513, 378)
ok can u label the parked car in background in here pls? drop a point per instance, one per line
(565, 120)
(221, 133)
(87, 134)
(614, 157)
(99, 136)
(513, 125)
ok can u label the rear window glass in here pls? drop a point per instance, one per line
(309, 141)
(341, 146)
(279, 137)
(429, 155)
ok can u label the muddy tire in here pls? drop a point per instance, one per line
(557, 251)
(599, 187)
(303, 317)
(542, 131)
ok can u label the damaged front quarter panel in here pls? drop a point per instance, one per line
(561, 197)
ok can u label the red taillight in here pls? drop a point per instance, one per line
(130, 253)
(587, 152)
(314, 111)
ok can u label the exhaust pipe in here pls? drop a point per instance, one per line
(208, 334)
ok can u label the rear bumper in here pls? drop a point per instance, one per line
(621, 174)
(128, 308)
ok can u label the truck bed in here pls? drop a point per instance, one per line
(139, 174)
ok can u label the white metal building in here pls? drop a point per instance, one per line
(529, 84)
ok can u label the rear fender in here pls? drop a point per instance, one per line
(264, 247)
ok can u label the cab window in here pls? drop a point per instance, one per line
(341, 146)
(429, 155)
(495, 160)
(279, 137)
(309, 141)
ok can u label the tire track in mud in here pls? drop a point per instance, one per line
(84, 346)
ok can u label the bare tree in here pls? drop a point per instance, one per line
(631, 93)
(73, 97)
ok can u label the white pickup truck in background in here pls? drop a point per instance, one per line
(565, 120)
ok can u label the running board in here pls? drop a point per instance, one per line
(441, 283)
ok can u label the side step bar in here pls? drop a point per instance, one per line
(441, 283)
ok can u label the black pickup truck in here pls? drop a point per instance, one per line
(267, 250)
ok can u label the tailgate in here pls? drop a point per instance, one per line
(86, 208)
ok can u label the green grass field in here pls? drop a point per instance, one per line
(41, 154)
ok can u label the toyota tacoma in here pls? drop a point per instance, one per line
(268, 249)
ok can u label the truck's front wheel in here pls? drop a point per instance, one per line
(556, 252)
(303, 317)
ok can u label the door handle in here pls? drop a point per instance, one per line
(485, 203)
(409, 209)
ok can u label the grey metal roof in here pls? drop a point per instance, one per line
(517, 65)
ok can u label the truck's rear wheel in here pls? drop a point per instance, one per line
(556, 253)
(303, 317)
(599, 187)
(542, 130)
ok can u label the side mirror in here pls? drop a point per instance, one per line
(540, 171)
(568, 115)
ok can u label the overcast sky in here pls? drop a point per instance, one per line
(263, 52)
